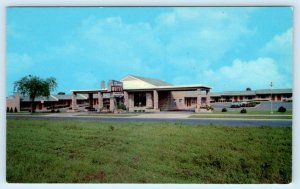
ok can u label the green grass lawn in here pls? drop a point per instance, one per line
(91, 152)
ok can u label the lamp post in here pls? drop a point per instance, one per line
(271, 85)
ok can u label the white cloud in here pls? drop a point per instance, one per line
(280, 48)
(280, 43)
(183, 42)
(256, 74)
(274, 64)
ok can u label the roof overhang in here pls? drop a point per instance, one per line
(172, 88)
(85, 91)
(159, 88)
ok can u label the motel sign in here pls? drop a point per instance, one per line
(115, 87)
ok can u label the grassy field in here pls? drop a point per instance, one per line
(91, 152)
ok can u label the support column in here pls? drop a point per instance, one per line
(74, 103)
(198, 94)
(208, 97)
(91, 100)
(111, 103)
(100, 101)
(126, 100)
(130, 102)
(155, 100)
(149, 101)
(198, 105)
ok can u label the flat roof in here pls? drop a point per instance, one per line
(89, 91)
(251, 93)
(170, 88)
(158, 88)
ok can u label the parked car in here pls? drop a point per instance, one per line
(235, 105)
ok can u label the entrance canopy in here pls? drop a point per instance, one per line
(171, 88)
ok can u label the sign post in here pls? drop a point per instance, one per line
(116, 89)
(271, 85)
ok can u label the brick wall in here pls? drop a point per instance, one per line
(13, 101)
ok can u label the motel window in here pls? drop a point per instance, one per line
(139, 99)
(190, 101)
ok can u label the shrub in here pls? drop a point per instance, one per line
(209, 108)
(121, 106)
(224, 110)
(243, 111)
(57, 111)
(281, 109)
(7, 109)
(16, 110)
(11, 110)
(52, 111)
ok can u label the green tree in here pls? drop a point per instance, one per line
(33, 86)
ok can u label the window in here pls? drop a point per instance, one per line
(139, 99)
(189, 101)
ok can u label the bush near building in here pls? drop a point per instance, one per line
(281, 109)
(243, 111)
(121, 106)
(224, 110)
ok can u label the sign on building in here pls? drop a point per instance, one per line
(115, 87)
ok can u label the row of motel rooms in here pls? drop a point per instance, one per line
(146, 94)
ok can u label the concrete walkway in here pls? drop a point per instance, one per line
(159, 115)
(164, 115)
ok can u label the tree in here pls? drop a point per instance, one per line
(248, 89)
(33, 86)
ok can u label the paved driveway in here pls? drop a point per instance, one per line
(193, 121)
(261, 106)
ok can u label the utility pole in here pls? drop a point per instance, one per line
(271, 85)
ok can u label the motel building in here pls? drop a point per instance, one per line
(255, 95)
(140, 94)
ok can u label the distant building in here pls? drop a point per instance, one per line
(257, 95)
(141, 94)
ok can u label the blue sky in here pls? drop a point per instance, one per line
(227, 48)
